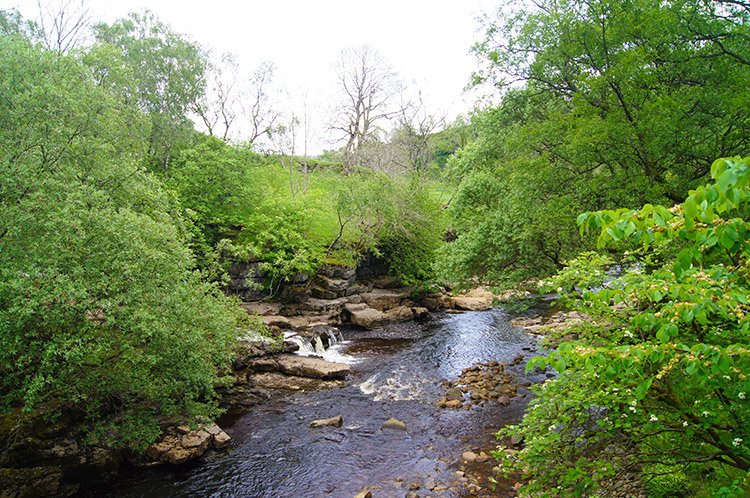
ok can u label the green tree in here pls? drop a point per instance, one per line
(167, 78)
(606, 103)
(657, 384)
(101, 311)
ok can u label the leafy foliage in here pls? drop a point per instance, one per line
(658, 379)
(101, 310)
(605, 103)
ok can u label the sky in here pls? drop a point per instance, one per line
(427, 42)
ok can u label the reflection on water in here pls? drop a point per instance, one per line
(396, 372)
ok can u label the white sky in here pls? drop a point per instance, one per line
(427, 42)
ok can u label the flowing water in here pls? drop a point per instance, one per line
(395, 373)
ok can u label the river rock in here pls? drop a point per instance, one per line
(384, 299)
(180, 445)
(454, 394)
(328, 422)
(394, 424)
(364, 494)
(279, 321)
(366, 317)
(307, 366)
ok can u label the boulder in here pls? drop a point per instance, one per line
(339, 272)
(358, 289)
(318, 292)
(219, 438)
(383, 299)
(399, 314)
(334, 284)
(329, 306)
(471, 303)
(177, 448)
(275, 380)
(366, 317)
(308, 366)
(387, 282)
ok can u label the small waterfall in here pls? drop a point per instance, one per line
(305, 347)
(319, 347)
(323, 342)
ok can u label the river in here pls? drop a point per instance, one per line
(395, 373)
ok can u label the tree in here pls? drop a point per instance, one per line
(369, 87)
(217, 108)
(167, 78)
(605, 103)
(656, 385)
(414, 134)
(101, 310)
(64, 24)
(257, 106)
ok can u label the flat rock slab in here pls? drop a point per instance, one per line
(371, 318)
(308, 366)
(275, 380)
(384, 299)
(262, 308)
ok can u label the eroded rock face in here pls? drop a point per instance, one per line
(182, 444)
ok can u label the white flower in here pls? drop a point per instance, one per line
(741, 395)
(685, 424)
(634, 403)
(632, 409)
(559, 290)
(736, 442)
(628, 333)
(552, 427)
(706, 414)
(654, 418)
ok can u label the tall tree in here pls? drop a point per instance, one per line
(98, 293)
(168, 77)
(370, 96)
(605, 103)
(64, 24)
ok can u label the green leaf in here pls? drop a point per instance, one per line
(726, 179)
(642, 388)
(662, 334)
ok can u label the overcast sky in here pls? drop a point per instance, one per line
(427, 42)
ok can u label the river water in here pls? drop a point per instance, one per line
(395, 373)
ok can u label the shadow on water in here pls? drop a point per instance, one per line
(396, 372)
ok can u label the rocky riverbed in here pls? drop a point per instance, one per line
(379, 430)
